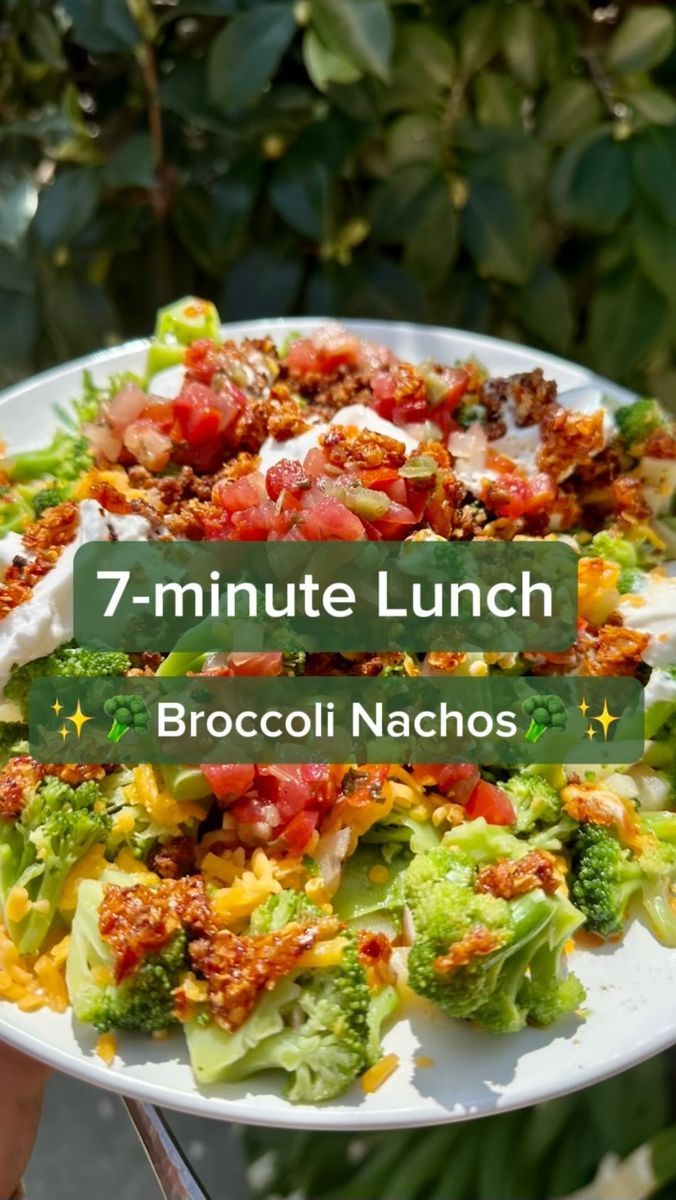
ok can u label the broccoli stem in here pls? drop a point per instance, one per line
(117, 731)
(535, 731)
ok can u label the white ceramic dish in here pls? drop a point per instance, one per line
(630, 986)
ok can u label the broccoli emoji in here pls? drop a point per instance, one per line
(545, 712)
(128, 712)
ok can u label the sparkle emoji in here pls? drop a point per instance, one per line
(78, 719)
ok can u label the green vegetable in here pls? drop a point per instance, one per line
(420, 467)
(144, 1000)
(140, 834)
(313, 1025)
(661, 711)
(66, 458)
(359, 896)
(635, 422)
(613, 548)
(13, 740)
(631, 580)
(57, 826)
(179, 325)
(522, 979)
(185, 783)
(607, 876)
(15, 511)
(546, 712)
(48, 497)
(536, 802)
(128, 713)
(69, 661)
(294, 662)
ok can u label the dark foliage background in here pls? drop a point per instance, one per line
(498, 166)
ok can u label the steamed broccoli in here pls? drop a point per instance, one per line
(48, 497)
(128, 713)
(509, 964)
(177, 326)
(144, 1000)
(535, 801)
(314, 1024)
(13, 740)
(635, 422)
(57, 826)
(67, 661)
(546, 712)
(372, 883)
(613, 548)
(66, 458)
(607, 876)
(15, 511)
(632, 579)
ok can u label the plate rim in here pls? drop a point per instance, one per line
(89, 1069)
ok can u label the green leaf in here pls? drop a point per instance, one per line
(498, 100)
(479, 34)
(131, 165)
(653, 104)
(497, 232)
(263, 282)
(358, 30)
(18, 330)
(66, 205)
(545, 308)
(302, 187)
(568, 111)
(626, 319)
(413, 137)
(654, 163)
(18, 202)
(324, 66)
(46, 41)
(528, 43)
(211, 221)
(645, 38)
(432, 245)
(591, 185)
(399, 202)
(247, 52)
(655, 247)
(103, 26)
(422, 68)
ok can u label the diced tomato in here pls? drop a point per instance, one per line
(234, 495)
(378, 477)
(491, 803)
(286, 475)
(298, 833)
(263, 663)
(204, 414)
(411, 409)
(396, 521)
(508, 496)
(255, 523)
(316, 464)
(162, 414)
(201, 361)
(322, 354)
(229, 781)
(542, 492)
(457, 380)
(330, 520)
(458, 780)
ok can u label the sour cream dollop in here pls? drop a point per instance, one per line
(358, 415)
(45, 620)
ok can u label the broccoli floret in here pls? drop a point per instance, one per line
(57, 826)
(67, 661)
(631, 579)
(613, 548)
(13, 740)
(481, 843)
(66, 458)
(383, 1005)
(128, 713)
(293, 663)
(48, 497)
(546, 712)
(282, 909)
(635, 422)
(511, 969)
(144, 1000)
(314, 1024)
(15, 511)
(536, 802)
(607, 876)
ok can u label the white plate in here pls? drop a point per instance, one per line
(631, 986)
